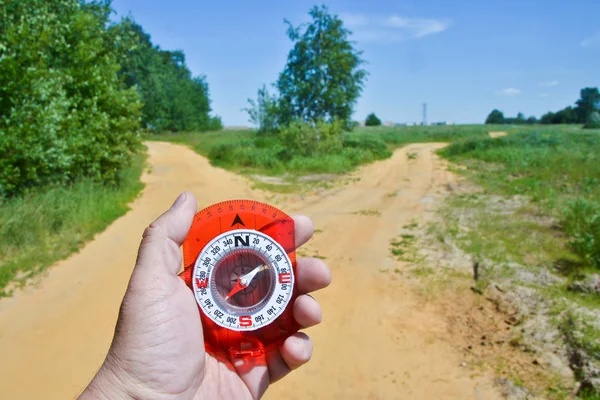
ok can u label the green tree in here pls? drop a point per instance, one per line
(495, 117)
(532, 120)
(263, 112)
(372, 120)
(64, 113)
(173, 99)
(323, 77)
(520, 118)
(588, 103)
(593, 121)
(564, 116)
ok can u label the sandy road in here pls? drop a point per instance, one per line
(377, 340)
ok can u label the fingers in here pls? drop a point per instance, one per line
(159, 250)
(175, 223)
(312, 274)
(307, 311)
(304, 229)
(295, 352)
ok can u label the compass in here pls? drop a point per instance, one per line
(239, 261)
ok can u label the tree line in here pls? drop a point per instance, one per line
(585, 112)
(76, 90)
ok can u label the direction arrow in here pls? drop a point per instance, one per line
(238, 220)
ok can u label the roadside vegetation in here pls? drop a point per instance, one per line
(294, 150)
(76, 92)
(532, 232)
(47, 224)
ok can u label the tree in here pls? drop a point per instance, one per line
(532, 120)
(593, 121)
(322, 79)
(64, 112)
(372, 120)
(173, 99)
(495, 117)
(263, 111)
(587, 104)
(520, 118)
(564, 116)
(547, 118)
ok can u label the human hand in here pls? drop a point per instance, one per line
(158, 348)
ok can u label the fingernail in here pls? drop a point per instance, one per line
(180, 200)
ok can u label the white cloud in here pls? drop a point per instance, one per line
(548, 84)
(354, 20)
(509, 92)
(594, 39)
(392, 28)
(417, 27)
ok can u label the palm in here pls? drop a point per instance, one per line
(172, 333)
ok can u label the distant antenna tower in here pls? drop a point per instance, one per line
(424, 113)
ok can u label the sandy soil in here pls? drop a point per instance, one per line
(378, 339)
(495, 135)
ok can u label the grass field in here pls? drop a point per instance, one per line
(557, 169)
(539, 210)
(48, 224)
(246, 152)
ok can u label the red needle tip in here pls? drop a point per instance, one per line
(238, 287)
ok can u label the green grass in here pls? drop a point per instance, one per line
(244, 151)
(398, 136)
(539, 209)
(558, 169)
(48, 224)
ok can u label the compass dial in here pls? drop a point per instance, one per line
(243, 280)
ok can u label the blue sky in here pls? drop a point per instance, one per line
(463, 58)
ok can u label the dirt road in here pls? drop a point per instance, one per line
(378, 340)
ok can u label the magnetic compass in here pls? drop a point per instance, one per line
(239, 260)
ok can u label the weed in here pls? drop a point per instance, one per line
(368, 213)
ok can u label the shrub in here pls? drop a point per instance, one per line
(307, 139)
(368, 143)
(64, 113)
(372, 120)
(593, 121)
(581, 220)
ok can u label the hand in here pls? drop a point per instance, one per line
(158, 349)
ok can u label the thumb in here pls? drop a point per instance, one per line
(159, 251)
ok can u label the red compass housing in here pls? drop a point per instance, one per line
(240, 261)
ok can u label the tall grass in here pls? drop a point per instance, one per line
(48, 224)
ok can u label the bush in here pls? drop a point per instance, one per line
(306, 139)
(372, 120)
(367, 143)
(593, 121)
(581, 220)
(64, 113)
